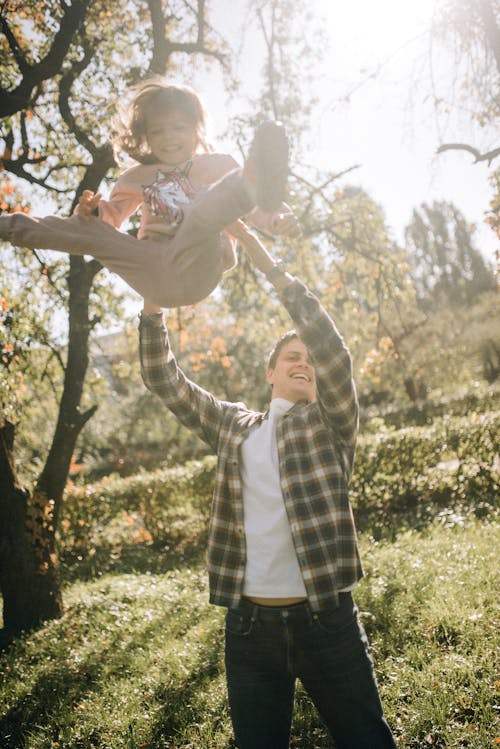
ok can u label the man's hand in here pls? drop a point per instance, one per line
(87, 204)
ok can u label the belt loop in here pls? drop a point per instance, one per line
(310, 613)
(255, 613)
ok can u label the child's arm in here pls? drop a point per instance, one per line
(88, 203)
(123, 201)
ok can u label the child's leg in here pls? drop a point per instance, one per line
(175, 271)
(262, 182)
(145, 264)
(210, 212)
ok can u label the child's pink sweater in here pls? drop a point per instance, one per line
(128, 193)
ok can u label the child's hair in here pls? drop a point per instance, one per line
(155, 95)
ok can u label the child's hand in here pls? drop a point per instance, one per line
(150, 308)
(87, 204)
(284, 223)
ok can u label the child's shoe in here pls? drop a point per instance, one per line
(266, 168)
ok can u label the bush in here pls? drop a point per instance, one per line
(402, 478)
(165, 507)
(410, 476)
(424, 412)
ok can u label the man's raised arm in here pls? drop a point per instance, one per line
(195, 407)
(330, 356)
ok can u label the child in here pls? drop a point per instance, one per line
(188, 194)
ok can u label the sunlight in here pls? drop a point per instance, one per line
(381, 26)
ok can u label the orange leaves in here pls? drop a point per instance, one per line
(75, 467)
(140, 533)
(376, 358)
(218, 346)
(216, 353)
(11, 199)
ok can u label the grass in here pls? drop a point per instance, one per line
(137, 660)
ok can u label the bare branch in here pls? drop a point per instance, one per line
(65, 86)
(16, 166)
(320, 189)
(32, 75)
(163, 47)
(56, 354)
(489, 156)
(46, 272)
(492, 30)
(13, 45)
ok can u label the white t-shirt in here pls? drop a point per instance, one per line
(272, 569)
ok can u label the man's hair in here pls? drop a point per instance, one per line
(275, 351)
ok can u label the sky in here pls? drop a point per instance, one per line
(372, 110)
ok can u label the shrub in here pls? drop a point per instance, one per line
(410, 476)
(164, 506)
(402, 478)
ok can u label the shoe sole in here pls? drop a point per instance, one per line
(270, 157)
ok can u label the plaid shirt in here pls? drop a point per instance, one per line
(316, 443)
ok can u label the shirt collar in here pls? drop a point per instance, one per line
(279, 406)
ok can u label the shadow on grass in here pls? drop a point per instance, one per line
(50, 699)
(54, 709)
(184, 702)
(128, 558)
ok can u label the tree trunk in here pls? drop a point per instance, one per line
(29, 579)
(71, 419)
(28, 566)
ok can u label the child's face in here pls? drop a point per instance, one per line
(171, 136)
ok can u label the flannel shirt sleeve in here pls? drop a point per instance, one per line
(195, 407)
(332, 361)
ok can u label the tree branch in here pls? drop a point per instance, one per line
(65, 86)
(32, 75)
(489, 156)
(163, 47)
(13, 44)
(491, 28)
(16, 166)
(46, 272)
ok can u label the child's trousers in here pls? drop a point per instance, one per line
(171, 271)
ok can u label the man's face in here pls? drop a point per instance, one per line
(293, 374)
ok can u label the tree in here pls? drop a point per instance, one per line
(63, 67)
(446, 267)
(470, 29)
(345, 251)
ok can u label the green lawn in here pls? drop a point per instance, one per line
(137, 661)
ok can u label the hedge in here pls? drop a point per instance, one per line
(402, 478)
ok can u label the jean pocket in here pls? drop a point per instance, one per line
(239, 622)
(335, 620)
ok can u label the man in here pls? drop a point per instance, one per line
(282, 550)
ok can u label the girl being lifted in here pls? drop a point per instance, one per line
(188, 194)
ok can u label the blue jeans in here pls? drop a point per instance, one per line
(268, 647)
